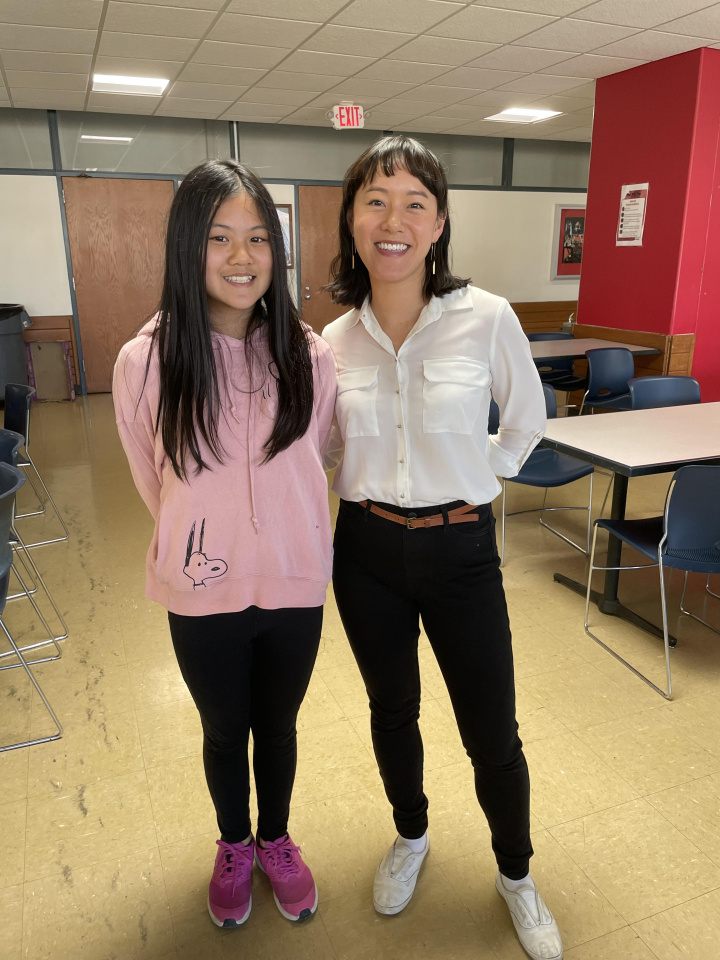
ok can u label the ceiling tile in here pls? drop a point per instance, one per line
(48, 99)
(53, 39)
(429, 125)
(327, 100)
(306, 61)
(586, 91)
(478, 79)
(193, 4)
(238, 55)
(495, 100)
(438, 93)
(348, 40)
(577, 36)
(414, 15)
(84, 14)
(199, 109)
(31, 60)
(311, 115)
(706, 23)
(128, 67)
(383, 121)
(415, 107)
(261, 112)
(145, 18)
(284, 80)
(267, 95)
(45, 81)
(291, 121)
(482, 128)
(211, 73)
(206, 91)
(403, 70)
(440, 50)
(98, 103)
(565, 104)
(543, 84)
(639, 13)
(577, 134)
(317, 10)
(145, 48)
(489, 24)
(519, 58)
(371, 88)
(590, 65)
(237, 28)
(652, 45)
(553, 8)
(462, 111)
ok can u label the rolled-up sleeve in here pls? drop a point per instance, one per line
(518, 392)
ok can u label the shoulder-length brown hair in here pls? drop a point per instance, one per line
(350, 285)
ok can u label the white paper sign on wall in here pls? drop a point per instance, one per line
(348, 117)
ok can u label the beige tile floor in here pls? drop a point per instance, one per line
(106, 837)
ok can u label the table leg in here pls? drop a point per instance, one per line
(607, 601)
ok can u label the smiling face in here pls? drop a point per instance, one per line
(239, 263)
(394, 221)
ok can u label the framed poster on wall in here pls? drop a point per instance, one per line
(568, 238)
(284, 211)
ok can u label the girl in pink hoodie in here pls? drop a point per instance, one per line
(224, 403)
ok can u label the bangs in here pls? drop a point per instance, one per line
(401, 153)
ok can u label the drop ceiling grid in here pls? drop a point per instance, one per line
(434, 65)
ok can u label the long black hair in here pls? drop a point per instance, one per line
(351, 284)
(189, 405)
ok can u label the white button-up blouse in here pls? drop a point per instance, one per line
(414, 424)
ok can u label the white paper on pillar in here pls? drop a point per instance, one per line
(631, 221)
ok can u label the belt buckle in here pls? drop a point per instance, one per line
(408, 519)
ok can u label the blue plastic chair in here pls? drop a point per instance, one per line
(647, 393)
(686, 537)
(11, 479)
(18, 397)
(545, 468)
(556, 369)
(609, 370)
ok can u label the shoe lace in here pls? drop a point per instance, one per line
(232, 867)
(282, 857)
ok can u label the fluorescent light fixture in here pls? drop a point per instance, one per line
(86, 136)
(523, 115)
(140, 86)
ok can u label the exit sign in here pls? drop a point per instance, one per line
(346, 117)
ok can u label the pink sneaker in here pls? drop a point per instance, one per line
(293, 886)
(229, 894)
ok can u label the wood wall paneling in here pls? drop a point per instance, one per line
(545, 315)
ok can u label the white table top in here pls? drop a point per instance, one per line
(639, 442)
(542, 349)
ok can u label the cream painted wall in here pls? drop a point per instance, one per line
(285, 193)
(33, 268)
(503, 241)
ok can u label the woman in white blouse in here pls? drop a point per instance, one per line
(418, 357)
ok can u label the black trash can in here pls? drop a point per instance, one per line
(13, 365)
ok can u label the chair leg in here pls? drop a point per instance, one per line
(572, 543)
(41, 543)
(607, 494)
(582, 404)
(28, 573)
(25, 666)
(694, 616)
(667, 695)
(31, 513)
(708, 590)
(51, 638)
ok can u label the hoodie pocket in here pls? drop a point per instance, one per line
(356, 404)
(453, 392)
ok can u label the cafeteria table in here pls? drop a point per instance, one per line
(576, 348)
(634, 443)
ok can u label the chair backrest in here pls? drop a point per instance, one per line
(11, 479)
(10, 443)
(609, 369)
(548, 336)
(17, 408)
(550, 409)
(649, 392)
(692, 520)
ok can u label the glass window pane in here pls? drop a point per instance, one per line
(24, 139)
(285, 152)
(551, 163)
(468, 161)
(171, 145)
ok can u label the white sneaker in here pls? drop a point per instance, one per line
(396, 878)
(533, 922)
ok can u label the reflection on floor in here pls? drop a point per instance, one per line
(107, 837)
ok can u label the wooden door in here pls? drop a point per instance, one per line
(117, 236)
(319, 208)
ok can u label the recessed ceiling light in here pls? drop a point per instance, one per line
(87, 136)
(139, 86)
(523, 115)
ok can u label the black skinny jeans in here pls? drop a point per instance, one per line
(249, 671)
(386, 577)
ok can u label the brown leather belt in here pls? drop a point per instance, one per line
(458, 515)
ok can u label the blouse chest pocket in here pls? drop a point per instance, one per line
(356, 404)
(453, 391)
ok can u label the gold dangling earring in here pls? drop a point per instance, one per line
(433, 257)
(353, 253)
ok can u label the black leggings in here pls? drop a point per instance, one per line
(386, 577)
(246, 672)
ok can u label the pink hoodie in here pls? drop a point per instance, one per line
(241, 533)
